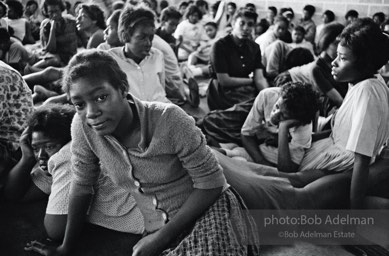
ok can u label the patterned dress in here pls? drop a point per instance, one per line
(15, 107)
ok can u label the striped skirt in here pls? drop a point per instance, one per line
(225, 229)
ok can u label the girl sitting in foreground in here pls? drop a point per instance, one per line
(156, 152)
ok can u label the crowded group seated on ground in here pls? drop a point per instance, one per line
(169, 120)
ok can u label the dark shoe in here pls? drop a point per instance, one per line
(194, 96)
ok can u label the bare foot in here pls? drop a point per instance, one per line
(28, 69)
(41, 93)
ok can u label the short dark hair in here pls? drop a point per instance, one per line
(300, 29)
(244, 12)
(297, 57)
(200, 3)
(131, 17)
(288, 10)
(282, 19)
(16, 6)
(32, 2)
(310, 9)
(163, 4)
(53, 3)
(273, 9)
(211, 23)
(232, 4)
(170, 12)
(94, 64)
(366, 41)
(264, 24)
(95, 13)
(300, 100)
(192, 9)
(183, 4)
(330, 15)
(54, 120)
(380, 16)
(250, 5)
(328, 35)
(351, 13)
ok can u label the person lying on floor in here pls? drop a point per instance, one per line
(279, 127)
(318, 72)
(360, 126)
(44, 170)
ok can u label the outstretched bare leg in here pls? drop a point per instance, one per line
(328, 192)
(300, 179)
(43, 77)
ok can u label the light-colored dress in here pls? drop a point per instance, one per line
(361, 125)
(19, 27)
(192, 35)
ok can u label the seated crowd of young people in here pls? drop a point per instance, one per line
(94, 121)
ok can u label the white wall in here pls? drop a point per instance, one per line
(339, 7)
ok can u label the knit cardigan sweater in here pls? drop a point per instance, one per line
(170, 161)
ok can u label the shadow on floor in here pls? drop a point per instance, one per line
(22, 223)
